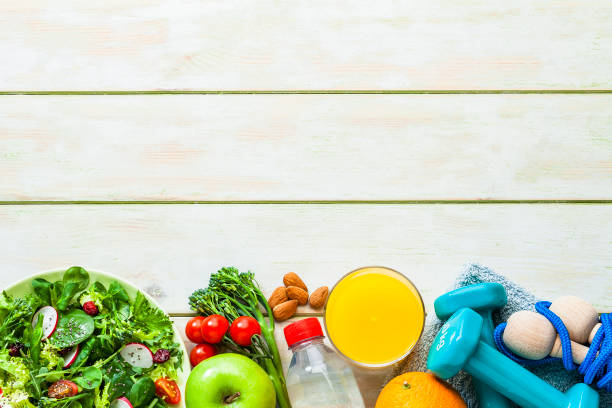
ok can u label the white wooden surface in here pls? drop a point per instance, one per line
(266, 44)
(306, 147)
(550, 249)
(451, 151)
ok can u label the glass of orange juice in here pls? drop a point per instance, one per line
(374, 316)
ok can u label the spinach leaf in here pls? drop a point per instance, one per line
(75, 280)
(42, 289)
(36, 336)
(87, 402)
(122, 311)
(118, 377)
(117, 292)
(91, 378)
(72, 329)
(120, 384)
(142, 392)
(48, 293)
(84, 353)
(61, 294)
(115, 297)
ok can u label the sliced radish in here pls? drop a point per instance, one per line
(121, 402)
(50, 319)
(137, 355)
(4, 404)
(71, 356)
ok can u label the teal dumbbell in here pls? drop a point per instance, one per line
(483, 298)
(458, 346)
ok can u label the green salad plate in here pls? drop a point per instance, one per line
(24, 287)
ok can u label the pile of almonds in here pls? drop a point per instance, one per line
(284, 301)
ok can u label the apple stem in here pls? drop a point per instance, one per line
(231, 398)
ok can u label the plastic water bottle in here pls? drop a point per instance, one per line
(317, 376)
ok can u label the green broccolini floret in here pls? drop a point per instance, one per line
(232, 294)
(15, 314)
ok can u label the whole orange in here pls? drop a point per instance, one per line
(418, 390)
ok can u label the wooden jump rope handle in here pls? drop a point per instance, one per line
(530, 335)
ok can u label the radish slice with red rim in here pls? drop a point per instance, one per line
(137, 355)
(50, 318)
(2, 403)
(70, 358)
(121, 402)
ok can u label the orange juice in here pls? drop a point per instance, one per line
(374, 316)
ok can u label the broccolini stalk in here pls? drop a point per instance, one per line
(232, 294)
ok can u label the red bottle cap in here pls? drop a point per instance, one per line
(303, 330)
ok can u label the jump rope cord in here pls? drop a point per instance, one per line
(597, 365)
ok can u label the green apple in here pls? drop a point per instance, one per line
(230, 381)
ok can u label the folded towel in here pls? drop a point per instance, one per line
(518, 299)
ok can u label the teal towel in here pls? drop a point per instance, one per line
(518, 299)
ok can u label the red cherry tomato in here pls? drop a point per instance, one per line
(168, 391)
(201, 352)
(243, 329)
(63, 389)
(193, 330)
(214, 328)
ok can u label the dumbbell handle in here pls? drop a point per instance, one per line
(526, 389)
(500, 373)
(487, 396)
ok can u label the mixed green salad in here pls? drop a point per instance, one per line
(72, 344)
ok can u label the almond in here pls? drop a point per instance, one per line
(277, 297)
(291, 279)
(285, 310)
(318, 297)
(299, 294)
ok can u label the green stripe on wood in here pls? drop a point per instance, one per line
(320, 92)
(290, 202)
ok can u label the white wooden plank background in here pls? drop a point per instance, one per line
(306, 147)
(550, 249)
(447, 148)
(266, 44)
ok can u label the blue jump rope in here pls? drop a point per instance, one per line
(597, 365)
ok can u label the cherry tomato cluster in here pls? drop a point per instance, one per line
(208, 331)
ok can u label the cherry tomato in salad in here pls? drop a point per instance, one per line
(167, 390)
(63, 389)
(243, 329)
(201, 352)
(193, 330)
(214, 328)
